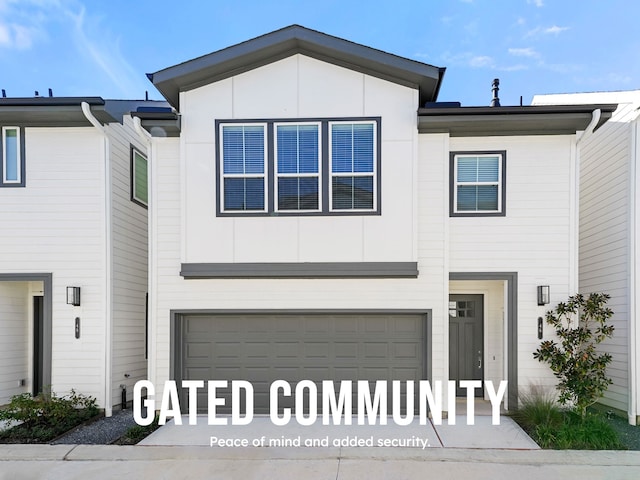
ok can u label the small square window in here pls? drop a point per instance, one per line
(139, 178)
(478, 184)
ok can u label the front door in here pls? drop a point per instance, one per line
(38, 340)
(466, 340)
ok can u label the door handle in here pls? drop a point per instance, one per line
(480, 360)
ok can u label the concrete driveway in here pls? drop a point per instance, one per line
(261, 432)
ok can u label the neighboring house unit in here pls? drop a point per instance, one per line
(73, 193)
(318, 217)
(609, 233)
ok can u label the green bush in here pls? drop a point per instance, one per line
(551, 427)
(580, 324)
(45, 416)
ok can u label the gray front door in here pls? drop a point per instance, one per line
(466, 340)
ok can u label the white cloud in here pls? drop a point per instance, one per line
(553, 30)
(481, 61)
(523, 52)
(537, 3)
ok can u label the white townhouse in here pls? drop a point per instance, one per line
(610, 232)
(320, 216)
(73, 246)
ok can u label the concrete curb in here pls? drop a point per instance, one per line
(100, 453)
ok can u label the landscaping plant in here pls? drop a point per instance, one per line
(580, 325)
(46, 416)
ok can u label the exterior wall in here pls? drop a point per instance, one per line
(533, 239)
(129, 263)
(606, 227)
(296, 87)
(14, 341)
(299, 87)
(56, 225)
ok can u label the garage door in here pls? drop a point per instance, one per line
(264, 348)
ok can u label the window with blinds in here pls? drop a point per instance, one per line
(325, 166)
(243, 168)
(353, 163)
(478, 183)
(139, 178)
(297, 167)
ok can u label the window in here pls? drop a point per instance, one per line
(478, 183)
(298, 167)
(12, 157)
(352, 166)
(243, 168)
(139, 178)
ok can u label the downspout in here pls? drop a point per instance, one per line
(108, 327)
(575, 231)
(148, 140)
(634, 331)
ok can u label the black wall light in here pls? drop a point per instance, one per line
(73, 296)
(543, 294)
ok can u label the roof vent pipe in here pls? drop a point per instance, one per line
(4, 93)
(495, 101)
(50, 92)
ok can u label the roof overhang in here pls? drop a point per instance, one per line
(504, 121)
(159, 124)
(293, 40)
(52, 111)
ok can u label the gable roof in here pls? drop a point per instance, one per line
(289, 41)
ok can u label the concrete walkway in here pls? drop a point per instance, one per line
(98, 462)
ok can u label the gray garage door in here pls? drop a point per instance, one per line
(264, 348)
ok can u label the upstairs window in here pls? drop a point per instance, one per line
(353, 153)
(12, 157)
(478, 184)
(243, 168)
(139, 178)
(298, 167)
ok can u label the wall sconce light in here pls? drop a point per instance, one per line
(73, 296)
(543, 294)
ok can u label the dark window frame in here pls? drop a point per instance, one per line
(502, 181)
(132, 151)
(21, 160)
(325, 177)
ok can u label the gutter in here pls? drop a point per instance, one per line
(108, 328)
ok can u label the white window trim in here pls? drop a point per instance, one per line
(6, 181)
(456, 184)
(354, 174)
(278, 175)
(264, 174)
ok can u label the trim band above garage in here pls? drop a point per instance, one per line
(300, 270)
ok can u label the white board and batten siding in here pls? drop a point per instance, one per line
(56, 225)
(185, 228)
(608, 187)
(129, 263)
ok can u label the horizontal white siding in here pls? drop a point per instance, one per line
(56, 225)
(14, 341)
(605, 215)
(533, 239)
(130, 261)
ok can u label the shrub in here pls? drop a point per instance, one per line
(580, 324)
(45, 416)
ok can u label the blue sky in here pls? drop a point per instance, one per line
(104, 48)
